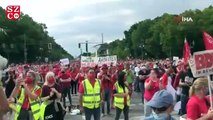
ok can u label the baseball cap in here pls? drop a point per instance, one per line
(161, 99)
(104, 66)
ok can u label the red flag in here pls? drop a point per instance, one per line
(208, 41)
(186, 52)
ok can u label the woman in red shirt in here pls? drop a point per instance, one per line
(198, 105)
(27, 85)
(81, 76)
(151, 87)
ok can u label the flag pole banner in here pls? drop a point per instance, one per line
(208, 41)
(186, 52)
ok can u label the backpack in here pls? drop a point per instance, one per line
(54, 111)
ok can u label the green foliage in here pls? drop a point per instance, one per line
(36, 37)
(163, 36)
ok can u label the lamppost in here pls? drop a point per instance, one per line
(41, 50)
(25, 50)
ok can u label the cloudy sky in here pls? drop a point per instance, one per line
(74, 21)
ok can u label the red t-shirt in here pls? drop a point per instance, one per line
(113, 79)
(148, 94)
(164, 80)
(106, 84)
(26, 103)
(73, 74)
(64, 76)
(196, 107)
(81, 86)
(81, 77)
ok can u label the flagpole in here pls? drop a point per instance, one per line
(210, 90)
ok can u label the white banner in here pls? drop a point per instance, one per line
(87, 61)
(64, 61)
(93, 61)
(202, 63)
(107, 60)
(175, 59)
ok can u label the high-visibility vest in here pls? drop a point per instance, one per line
(34, 105)
(119, 101)
(91, 96)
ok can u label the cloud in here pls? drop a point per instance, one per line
(74, 21)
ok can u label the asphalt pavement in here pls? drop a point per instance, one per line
(135, 113)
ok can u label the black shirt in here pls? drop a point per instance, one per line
(183, 75)
(143, 72)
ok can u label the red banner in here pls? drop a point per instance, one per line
(186, 52)
(208, 41)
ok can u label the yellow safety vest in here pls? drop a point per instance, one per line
(92, 96)
(34, 105)
(119, 101)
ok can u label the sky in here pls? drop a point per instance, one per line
(73, 21)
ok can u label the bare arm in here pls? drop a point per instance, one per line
(81, 100)
(56, 92)
(47, 97)
(77, 76)
(65, 80)
(4, 106)
(182, 83)
(148, 85)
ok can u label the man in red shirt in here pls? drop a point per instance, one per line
(106, 84)
(64, 78)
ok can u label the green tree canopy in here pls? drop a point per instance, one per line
(163, 36)
(36, 37)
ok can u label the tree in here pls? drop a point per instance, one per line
(35, 35)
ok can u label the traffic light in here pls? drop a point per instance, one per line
(79, 45)
(50, 46)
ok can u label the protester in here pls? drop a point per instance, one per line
(162, 106)
(121, 97)
(64, 80)
(74, 82)
(90, 96)
(51, 94)
(4, 106)
(81, 76)
(186, 80)
(129, 75)
(152, 85)
(106, 84)
(143, 75)
(198, 106)
(167, 82)
(27, 93)
(10, 83)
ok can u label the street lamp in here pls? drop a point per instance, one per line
(41, 50)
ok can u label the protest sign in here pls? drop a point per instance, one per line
(109, 60)
(64, 61)
(93, 61)
(202, 63)
(88, 61)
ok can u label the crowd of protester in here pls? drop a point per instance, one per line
(37, 89)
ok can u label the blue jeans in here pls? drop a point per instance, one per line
(142, 89)
(107, 97)
(184, 100)
(96, 112)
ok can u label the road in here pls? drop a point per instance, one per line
(135, 113)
